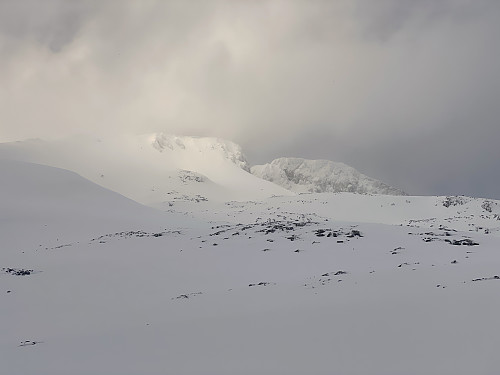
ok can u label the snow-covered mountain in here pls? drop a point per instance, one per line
(158, 170)
(162, 170)
(94, 283)
(227, 150)
(319, 176)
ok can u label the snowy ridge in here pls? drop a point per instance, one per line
(160, 170)
(320, 176)
(153, 169)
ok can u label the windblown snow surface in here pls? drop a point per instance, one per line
(94, 283)
(320, 176)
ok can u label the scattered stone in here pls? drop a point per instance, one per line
(487, 205)
(186, 296)
(496, 277)
(464, 242)
(354, 233)
(29, 343)
(17, 271)
(262, 283)
(397, 250)
(454, 201)
(128, 234)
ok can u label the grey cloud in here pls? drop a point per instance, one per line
(385, 19)
(51, 22)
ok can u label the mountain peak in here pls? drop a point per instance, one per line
(227, 149)
(319, 176)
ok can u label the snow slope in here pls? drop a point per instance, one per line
(156, 169)
(319, 176)
(42, 203)
(93, 283)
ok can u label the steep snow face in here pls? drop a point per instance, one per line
(319, 176)
(226, 149)
(158, 170)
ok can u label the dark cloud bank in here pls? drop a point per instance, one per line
(405, 91)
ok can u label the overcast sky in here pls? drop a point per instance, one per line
(406, 91)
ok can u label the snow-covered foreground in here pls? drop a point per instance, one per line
(94, 283)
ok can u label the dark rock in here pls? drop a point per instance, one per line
(17, 271)
(354, 233)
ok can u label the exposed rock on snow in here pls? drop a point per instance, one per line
(187, 296)
(29, 343)
(496, 277)
(189, 176)
(464, 241)
(17, 271)
(320, 176)
(455, 201)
